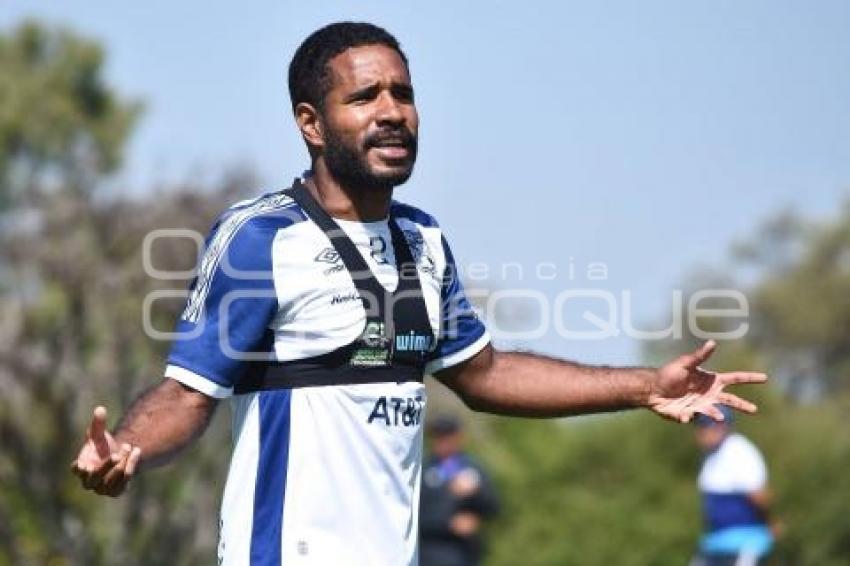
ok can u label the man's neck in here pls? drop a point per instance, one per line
(345, 202)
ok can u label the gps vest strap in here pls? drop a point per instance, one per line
(397, 334)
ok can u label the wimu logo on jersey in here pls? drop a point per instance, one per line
(412, 342)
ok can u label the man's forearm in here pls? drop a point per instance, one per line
(532, 385)
(164, 420)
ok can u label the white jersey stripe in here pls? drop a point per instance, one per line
(237, 509)
(197, 382)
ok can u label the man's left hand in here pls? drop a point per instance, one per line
(682, 388)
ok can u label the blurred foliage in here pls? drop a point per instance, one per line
(61, 126)
(621, 489)
(71, 339)
(586, 491)
(72, 286)
(801, 307)
(600, 490)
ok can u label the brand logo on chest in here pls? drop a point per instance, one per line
(412, 342)
(327, 255)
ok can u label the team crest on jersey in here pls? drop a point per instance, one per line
(421, 254)
(374, 347)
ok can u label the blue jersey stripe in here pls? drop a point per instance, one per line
(460, 327)
(724, 510)
(401, 210)
(269, 491)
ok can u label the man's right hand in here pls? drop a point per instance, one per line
(102, 465)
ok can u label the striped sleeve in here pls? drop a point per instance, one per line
(462, 333)
(231, 304)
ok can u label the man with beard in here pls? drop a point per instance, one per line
(318, 309)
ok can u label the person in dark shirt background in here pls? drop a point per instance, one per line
(457, 497)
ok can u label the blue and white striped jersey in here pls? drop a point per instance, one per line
(322, 474)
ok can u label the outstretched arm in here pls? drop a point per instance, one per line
(537, 386)
(157, 426)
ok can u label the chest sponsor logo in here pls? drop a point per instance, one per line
(397, 411)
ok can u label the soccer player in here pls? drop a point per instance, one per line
(318, 309)
(735, 497)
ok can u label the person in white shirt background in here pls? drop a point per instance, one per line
(733, 485)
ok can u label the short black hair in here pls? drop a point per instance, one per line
(309, 77)
(444, 425)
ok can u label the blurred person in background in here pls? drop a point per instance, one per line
(457, 497)
(735, 498)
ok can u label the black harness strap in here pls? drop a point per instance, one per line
(401, 313)
(360, 273)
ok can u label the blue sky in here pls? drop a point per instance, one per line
(645, 135)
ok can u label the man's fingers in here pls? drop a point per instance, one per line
(82, 470)
(97, 428)
(133, 461)
(117, 472)
(92, 473)
(699, 355)
(704, 352)
(734, 377)
(737, 403)
(97, 432)
(92, 478)
(116, 481)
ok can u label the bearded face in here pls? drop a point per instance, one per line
(369, 119)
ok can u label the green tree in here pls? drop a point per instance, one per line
(72, 338)
(61, 125)
(72, 287)
(801, 306)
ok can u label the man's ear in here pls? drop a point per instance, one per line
(310, 124)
